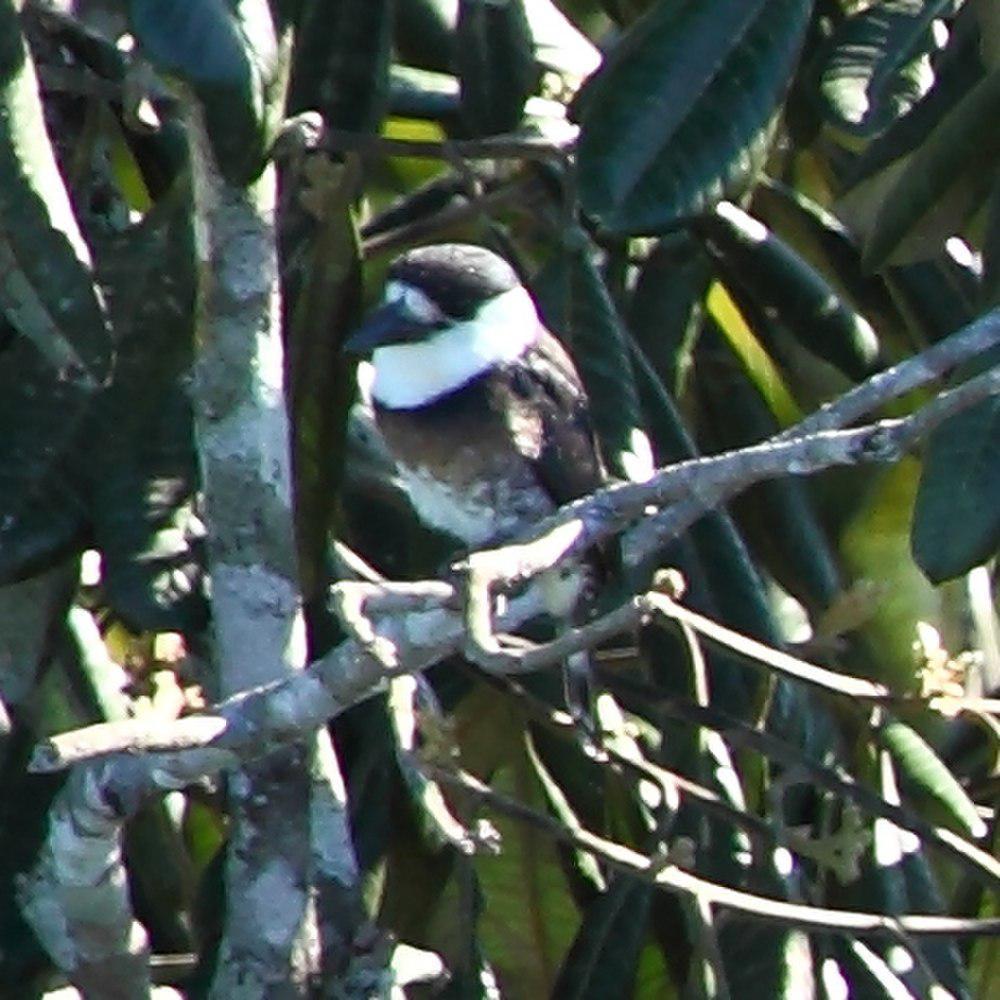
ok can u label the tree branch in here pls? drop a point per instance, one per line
(674, 879)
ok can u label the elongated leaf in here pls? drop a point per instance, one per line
(61, 354)
(323, 292)
(576, 304)
(342, 62)
(956, 520)
(941, 954)
(944, 181)
(227, 53)
(144, 524)
(679, 115)
(879, 63)
(778, 516)
(603, 958)
(529, 917)
(423, 33)
(48, 291)
(918, 763)
(788, 289)
(957, 70)
(990, 296)
(495, 58)
(936, 297)
(665, 310)
(821, 239)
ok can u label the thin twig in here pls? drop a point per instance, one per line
(675, 879)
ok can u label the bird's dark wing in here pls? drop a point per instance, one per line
(551, 422)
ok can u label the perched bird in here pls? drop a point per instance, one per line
(479, 405)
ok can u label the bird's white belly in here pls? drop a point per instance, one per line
(477, 516)
(486, 515)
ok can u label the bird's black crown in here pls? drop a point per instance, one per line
(457, 277)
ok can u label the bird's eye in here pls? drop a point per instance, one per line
(415, 302)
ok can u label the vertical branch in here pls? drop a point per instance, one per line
(269, 942)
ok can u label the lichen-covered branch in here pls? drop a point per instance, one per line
(404, 628)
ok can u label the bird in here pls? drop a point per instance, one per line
(479, 405)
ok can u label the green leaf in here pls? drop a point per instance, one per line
(919, 764)
(878, 64)
(935, 297)
(957, 70)
(529, 917)
(145, 527)
(990, 292)
(227, 53)
(423, 33)
(47, 290)
(575, 302)
(495, 59)
(62, 352)
(196, 40)
(823, 241)
(778, 516)
(941, 954)
(665, 310)
(681, 112)
(723, 582)
(342, 62)
(323, 293)
(604, 956)
(135, 463)
(944, 181)
(956, 520)
(787, 289)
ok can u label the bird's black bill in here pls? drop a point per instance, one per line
(390, 323)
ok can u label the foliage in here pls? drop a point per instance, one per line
(767, 202)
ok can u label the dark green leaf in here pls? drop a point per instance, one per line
(878, 65)
(64, 353)
(941, 954)
(48, 292)
(919, 764)
(144, 525)
(944, 181)
(990, 295)
(723, 582)
(680, 114)
(196, 40)
(323, 289)
(228, 54)
(603, 958)
(666, 307)
(778, 516)
(495, 59)
(424, 33)
(957, 70)
(342, 62)
(576, 304)
(956, 520)
(784, 287)
(822, 240)
(136, 459)
(935, 297)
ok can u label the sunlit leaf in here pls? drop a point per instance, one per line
(495, 58)
(944, 181)
(956, 519)
(879, 63)
(679, 115)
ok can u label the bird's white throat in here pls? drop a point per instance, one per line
(410, 375)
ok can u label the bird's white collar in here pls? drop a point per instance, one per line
(410, 375)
